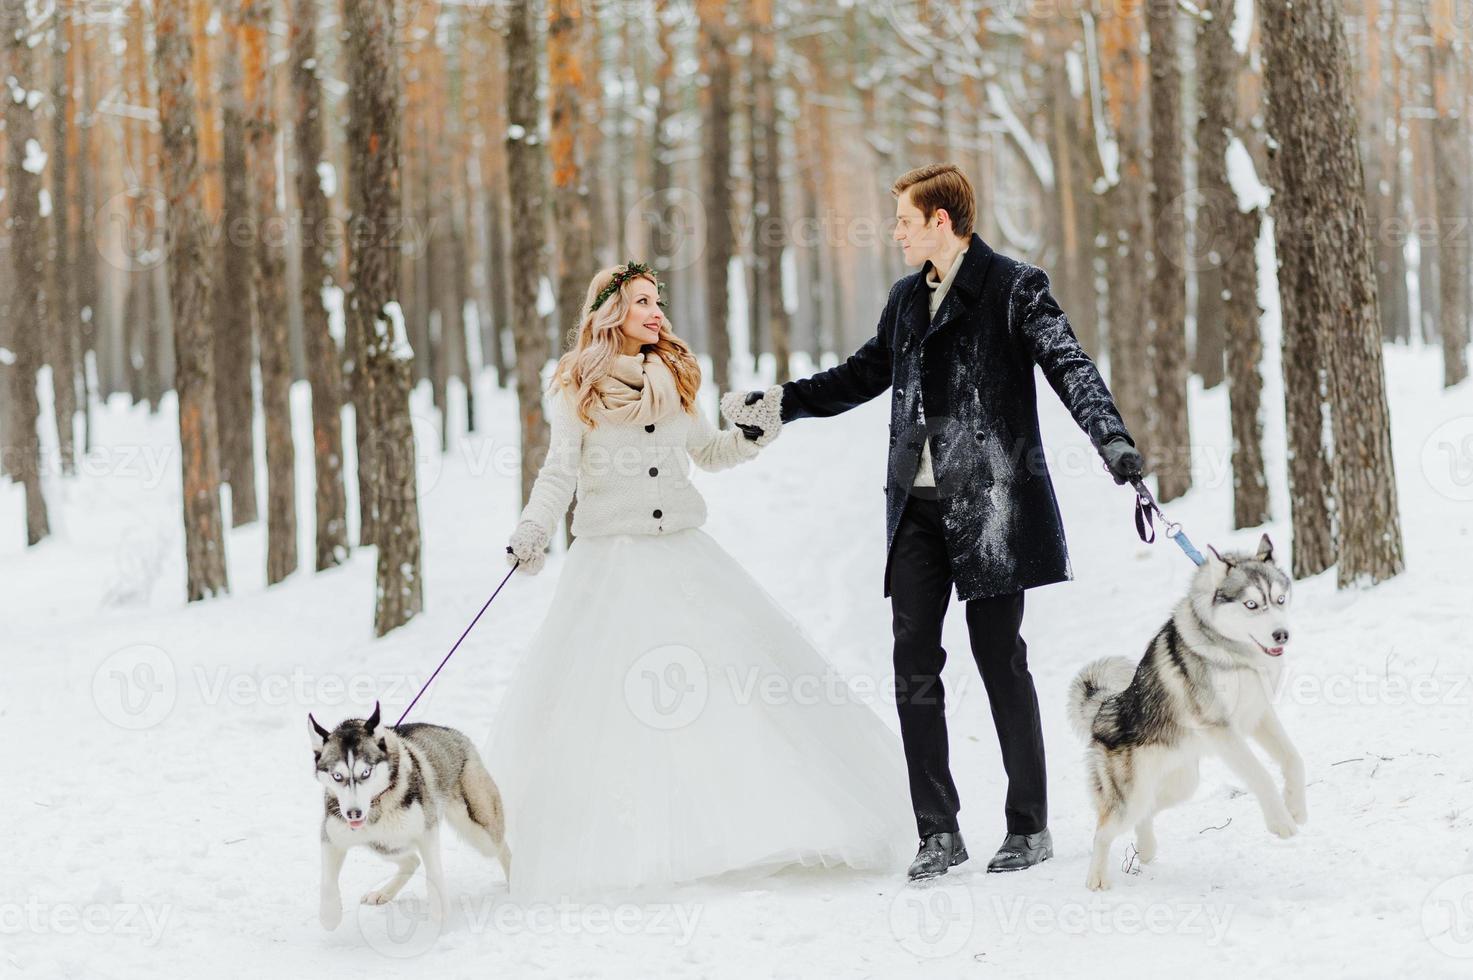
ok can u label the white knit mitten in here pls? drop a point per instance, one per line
(765, 412)
(528, 544)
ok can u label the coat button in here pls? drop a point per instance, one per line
(900, 392)
(979, 436)
(659, 513)
(654, 471)
(650, 427)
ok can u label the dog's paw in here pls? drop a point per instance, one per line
(1297, 806)
(330, 912)
(378, 896)
(1097, 881)
(1281, 824)
(1145, 848)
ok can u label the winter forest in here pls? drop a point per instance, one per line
(282, 287)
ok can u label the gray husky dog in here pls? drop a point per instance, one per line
(387, 788)
(1203, 686)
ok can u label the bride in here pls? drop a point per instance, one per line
(669, 721)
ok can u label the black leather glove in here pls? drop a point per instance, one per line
(752, 432)
(1122, 459)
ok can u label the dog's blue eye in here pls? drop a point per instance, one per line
(365, 773)
(337, 777)
(1280, 600)
(1251, 604)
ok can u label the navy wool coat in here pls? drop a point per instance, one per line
(966, 382)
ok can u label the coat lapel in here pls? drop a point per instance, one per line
(965, 290)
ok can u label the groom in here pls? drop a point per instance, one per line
(968, 498)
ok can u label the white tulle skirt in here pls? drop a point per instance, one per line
(671, 721)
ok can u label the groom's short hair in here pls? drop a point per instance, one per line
(941, 185)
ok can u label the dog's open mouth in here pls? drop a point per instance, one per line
(1271, 651)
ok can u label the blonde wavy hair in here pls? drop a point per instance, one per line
(599, 341)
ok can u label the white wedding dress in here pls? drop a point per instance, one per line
(670, 721)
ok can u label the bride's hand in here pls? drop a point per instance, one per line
(528, 545)
(757, 413)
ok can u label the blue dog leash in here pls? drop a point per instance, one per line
(1144, 504)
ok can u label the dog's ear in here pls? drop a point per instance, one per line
(318, 733)
(1225, 563)
(373, 719)
(1265, 549)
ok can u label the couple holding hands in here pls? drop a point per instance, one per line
(612, 785)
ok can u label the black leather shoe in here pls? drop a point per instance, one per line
(1021, 851)
(938, 853)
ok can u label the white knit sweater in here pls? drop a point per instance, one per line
(630, 479)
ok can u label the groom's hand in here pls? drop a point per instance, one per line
(1122, 459)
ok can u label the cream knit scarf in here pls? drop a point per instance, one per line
(639, 388)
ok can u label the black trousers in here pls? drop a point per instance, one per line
(920, 590)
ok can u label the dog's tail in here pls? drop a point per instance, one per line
(1097, 681)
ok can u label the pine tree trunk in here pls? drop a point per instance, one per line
(1233, 238)
(28, 307)
(492, 103)
(189, 289)
(569, 177)
(323, 357)
(1382, 142)
(526, 186)
(716, 64)
(1166, 299)
(770, 227)
(1450, 135)
(62, 348)
(235, 300)
(1429, 223)
(373, 306)
(1328, 290)
(1124, 73)
(270, 286)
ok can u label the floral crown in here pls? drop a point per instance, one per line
(630, 270)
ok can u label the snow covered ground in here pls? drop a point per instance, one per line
(161, 817)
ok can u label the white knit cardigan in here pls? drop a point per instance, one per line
(630, 478)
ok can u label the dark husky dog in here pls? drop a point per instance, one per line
(387, 788)
(1203, 686)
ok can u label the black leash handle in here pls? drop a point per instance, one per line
(1145, 503)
